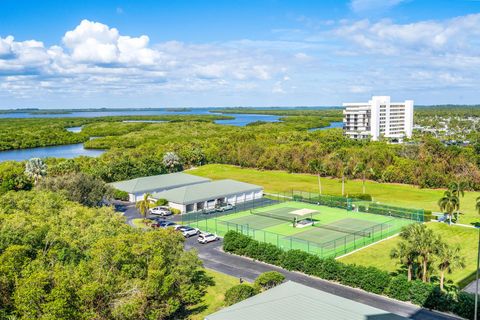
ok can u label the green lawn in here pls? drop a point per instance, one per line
(377, 255)
(213, 299)
(396, 194)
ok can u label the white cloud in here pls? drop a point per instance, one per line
(95, 57)
(453, 35)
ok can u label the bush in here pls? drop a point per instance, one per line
(239, 293)
(175, 211)
(235, 242)
(367, 278)
(420, 292)
(361, 196)
(399, 288)
(295, 260)
(120, 195)
(268, 280)
(161, 202)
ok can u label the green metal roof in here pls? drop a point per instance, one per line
(153, 183)
(292, 300)
(205, 191)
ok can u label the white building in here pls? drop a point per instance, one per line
(377, 118)
(136, 188)
(197, 197)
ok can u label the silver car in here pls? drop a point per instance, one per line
(207, 237)
(188, 231)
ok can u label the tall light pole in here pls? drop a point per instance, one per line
(476, 278)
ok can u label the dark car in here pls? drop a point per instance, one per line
(160, 223)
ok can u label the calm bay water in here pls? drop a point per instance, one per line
(332, 125)
(64, 151)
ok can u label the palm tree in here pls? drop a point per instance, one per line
(449, 258)
(35, 168)
(406, 255)
(424, 242)
(448, 203)
(458, 189)
(144, 205)
(171, 161)
(363, 168)
(318, 167)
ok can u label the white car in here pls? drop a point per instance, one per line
(161, 211)
(207, 237)
(188, 231)
(226, 207)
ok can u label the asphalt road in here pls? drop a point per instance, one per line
(214, 258)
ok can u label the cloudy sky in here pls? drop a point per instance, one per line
(237, 53)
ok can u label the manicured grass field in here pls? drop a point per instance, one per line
(378, 255)
(389, 193)
(214, 298)
(335, 231)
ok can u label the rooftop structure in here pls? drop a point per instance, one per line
(292, 300)
(136, 188)
(378, 118)
(207, 195)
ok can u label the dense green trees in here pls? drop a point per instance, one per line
(60, 260)
(138, 149)
(82, 188)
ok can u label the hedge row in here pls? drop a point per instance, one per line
(369, 279)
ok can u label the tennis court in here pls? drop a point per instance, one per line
(326, 231)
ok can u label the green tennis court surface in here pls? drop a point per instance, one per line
(334, 232)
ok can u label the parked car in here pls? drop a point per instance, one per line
(169, 224)
(209, 210)
(226, 207)
(161, 211)
(207, 237)
(188, 231)
(159, 223)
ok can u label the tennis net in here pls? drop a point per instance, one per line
(361, 233)
(271, 215)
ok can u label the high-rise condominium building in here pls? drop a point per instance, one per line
(377, 118)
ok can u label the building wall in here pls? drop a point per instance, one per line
(379, 118)
(211, 203)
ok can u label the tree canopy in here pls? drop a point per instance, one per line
(61, 260)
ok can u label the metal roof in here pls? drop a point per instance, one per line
(205, 191)
(292, 300)
(156, 183)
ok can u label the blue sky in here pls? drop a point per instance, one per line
(237, 53)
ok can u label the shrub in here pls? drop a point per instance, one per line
(294, 260)
(235, 242)
(465, 306)
(120, 195)
(399, 288)
(420, 292)
(161, 202)
(239, 293)
(268, 280)
(175, 211)
(361, 196)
